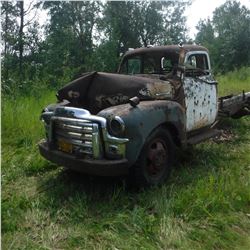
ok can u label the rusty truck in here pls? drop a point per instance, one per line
(131, 122)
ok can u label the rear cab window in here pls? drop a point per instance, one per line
(146, 63)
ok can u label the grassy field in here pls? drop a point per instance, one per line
(204, 205)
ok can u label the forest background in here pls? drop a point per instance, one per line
(86, 36)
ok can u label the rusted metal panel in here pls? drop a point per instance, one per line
(204, 135)
(200, 90)
(141, 120)
(96, 91)
(163, 49)
(158, 90)
(201, 103)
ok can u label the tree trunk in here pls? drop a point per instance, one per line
(21, 73)
(6, 73)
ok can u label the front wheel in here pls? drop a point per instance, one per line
(155, 160)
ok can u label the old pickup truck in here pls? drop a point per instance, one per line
(132, 122)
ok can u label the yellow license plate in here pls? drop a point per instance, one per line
(65, 146)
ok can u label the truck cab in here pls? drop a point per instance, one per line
(131, 122)
(190, 67)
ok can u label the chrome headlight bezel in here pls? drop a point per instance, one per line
(117, 126)
(46, 116)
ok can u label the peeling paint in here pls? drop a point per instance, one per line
(102, 100)
(158, 90)
(200, 101)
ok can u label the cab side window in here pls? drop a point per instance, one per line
(197, 65)
(166, 64)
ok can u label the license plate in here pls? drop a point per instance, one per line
(65, 146)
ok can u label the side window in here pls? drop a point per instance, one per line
(197, 65)
(192, 62)
(166, 64)
(169, 64)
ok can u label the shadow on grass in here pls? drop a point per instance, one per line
(64, 183)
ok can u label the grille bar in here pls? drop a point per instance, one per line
(73, 135)
(76, 142)
(81, 134)
(73, 121)
(73, 128)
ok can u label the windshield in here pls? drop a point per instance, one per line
(149, 64)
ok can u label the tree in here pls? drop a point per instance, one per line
(149, 22)
(232, 26)
(175, 30)
(16, 49)
(129, 24)
(81, 36)
(143, 23)
(20, 38)
(9, 13)
(69, 36)
(227, 36)
(205, 33)
(206, 37)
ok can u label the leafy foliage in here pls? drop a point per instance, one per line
(80, 36)
(89, 35)
(227, 36)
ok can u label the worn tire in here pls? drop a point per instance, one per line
(155, 161)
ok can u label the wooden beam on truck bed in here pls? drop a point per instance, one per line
(234, 106)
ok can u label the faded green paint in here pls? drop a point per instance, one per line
(141, 120)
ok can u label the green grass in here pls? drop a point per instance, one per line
(234, 82)
(204, 205)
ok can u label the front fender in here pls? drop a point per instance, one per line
(141, 120)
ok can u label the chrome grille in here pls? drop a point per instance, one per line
(83, 135)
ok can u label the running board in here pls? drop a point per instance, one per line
(210, 133)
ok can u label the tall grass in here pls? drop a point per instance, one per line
(20, 117)
(21, 131)
(204, 204)
(234, 82)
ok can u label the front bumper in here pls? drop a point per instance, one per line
(90, 166)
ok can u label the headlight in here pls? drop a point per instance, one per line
(117, 126)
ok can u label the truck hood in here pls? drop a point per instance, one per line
(97, 90)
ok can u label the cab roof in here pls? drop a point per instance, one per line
(165, 49)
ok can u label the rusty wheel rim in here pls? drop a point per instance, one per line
(156, 158)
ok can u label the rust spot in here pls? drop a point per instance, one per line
(157, 90)
(112, 100)
(201, 123)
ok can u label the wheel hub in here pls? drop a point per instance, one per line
(157, 157)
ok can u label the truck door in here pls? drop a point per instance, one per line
(200, 91)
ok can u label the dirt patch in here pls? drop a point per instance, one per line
(226, 135)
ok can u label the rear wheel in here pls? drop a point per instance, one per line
(156, 159)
